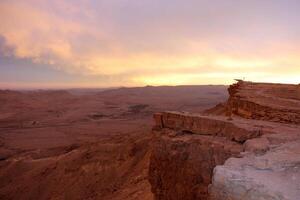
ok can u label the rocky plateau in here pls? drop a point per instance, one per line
(247, 148)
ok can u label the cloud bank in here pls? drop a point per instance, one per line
(156, 42)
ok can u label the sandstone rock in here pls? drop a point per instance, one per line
(206, 125)
(265, 101)
(257, 145)
(181, 167)
(260, 144)
(158, 120)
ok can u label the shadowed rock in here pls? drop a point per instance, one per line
(241, 154)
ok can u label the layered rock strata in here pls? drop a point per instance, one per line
(244, 156)
(181, 165)
(265, 101)
(187, 147)
(206, 125)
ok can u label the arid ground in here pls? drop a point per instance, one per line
(86, 144)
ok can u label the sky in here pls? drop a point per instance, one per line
(110, 43)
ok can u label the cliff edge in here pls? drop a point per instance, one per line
(246, 149)
(265, 101)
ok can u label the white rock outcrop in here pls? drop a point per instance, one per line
(274, 175)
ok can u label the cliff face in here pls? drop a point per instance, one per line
(217, 157)
(207, 125)
(270, 102)
(181, 165)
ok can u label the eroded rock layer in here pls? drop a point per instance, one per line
(265, 101)
(181, 165)
(206, 125)
(252, 153)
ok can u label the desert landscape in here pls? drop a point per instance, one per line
(86, 145)
(152, 143)
(149, 100)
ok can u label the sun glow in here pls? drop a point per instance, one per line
(116, 48)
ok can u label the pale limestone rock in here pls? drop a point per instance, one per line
(272, 176)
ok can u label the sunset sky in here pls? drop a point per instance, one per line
(107, 43)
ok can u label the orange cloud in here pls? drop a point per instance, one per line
(76, 38)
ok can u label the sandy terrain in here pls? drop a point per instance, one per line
(86, 144)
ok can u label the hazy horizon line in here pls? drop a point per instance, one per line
(118, 87)
(99, 88)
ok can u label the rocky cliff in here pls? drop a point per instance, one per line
(247, 155)
(187, 147)
(264, 101)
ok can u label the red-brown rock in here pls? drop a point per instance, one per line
(265, 101)
(181, 166)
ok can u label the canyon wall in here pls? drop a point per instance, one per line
(181, 166)
(262, 101)
(205, 156)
